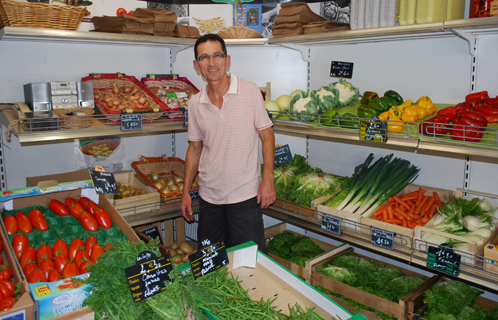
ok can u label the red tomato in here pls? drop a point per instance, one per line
(84, 201)
(28, 268)
(37, 275)
(6, 304)
(76, 211)
(90, 242)
(81, 256)
(23, 222)
(83, 266)
(19, 243)
(58, 207)
(60, 248)
(46, 266)
(5, 292)
(9, 285)
(54, 275)
(92, 207)
(103, 218)
(70, 202)
(75, 246)
(130, 13)
(43, 252)
(88, 222)
(28, 256)
(97, 250)
(5, 272)
(60, 262)
(38, 220)
(120, 11)
(107, 247)
(10, 223)
(70, 270)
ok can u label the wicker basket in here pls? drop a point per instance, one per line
(239, 31)
(105, 81)
(75, 118)
(172, 84)
(40, 15)
(164, 166)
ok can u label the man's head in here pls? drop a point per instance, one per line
(209, 37)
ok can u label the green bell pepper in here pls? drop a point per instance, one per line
(389, 101)
(365, 111)
(367, 96)
(378, 105)
(349, 121)
(393, 94)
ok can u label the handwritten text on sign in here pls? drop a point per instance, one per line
(283, 155)
(341, 69)
(382, 238)
(331, 224)
(153, 233)
(208, 259)
(104, 182)
(444, 259)
(146, 278)
(131, 122)
(373, 130)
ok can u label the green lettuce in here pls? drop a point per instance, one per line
(313, 185)
(296, 249)
(338, 273)
(347, 93)
(285, 174)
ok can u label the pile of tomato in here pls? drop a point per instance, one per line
(7, 287)
(62, 260)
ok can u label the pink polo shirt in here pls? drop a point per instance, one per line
(229, 167)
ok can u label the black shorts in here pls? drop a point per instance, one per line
(233, 223)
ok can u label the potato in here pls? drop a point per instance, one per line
(187, 248)
(174, 245)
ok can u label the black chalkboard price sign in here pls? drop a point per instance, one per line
(146, 278)
(194, 194)
(186, 118)
(444, 259)
(341, 69)
(153, 233)
(283, 155)
(382, 238)
(331, 224)
(104, 182)
(373, 129)
(208, 259)
(131, 121)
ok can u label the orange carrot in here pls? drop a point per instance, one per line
(421, 204)
(429, 203)
(425, 219)
(394, 221)
(379, 211)
(401, 202)
(409, 203)
(432, 210)
(403, 214)
(412, 209)
(404, 223)
(420, 196)
(390, 212)
(415, 216)
(384, 214)
(438, 201)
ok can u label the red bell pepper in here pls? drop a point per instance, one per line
(462, 132)
(473, 119)
(436, 126)
(481, 95)
(490, 111)
(456, 109)
(476, 103)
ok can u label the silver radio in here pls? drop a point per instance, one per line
(44, 97)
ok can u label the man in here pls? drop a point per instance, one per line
(225, 119)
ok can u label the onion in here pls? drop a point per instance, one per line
(173, 188)
(154, 177)
(178, 179)
(171, 181)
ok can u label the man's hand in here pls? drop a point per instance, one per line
(266, 193)
(186, 207)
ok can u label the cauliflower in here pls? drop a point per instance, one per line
(300, 105)
(325, 99)
(303, 107)
(346, 92)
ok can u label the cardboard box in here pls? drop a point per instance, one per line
(303, 272)
(54, 179)
(396, 309)
(23, 309)
(150, 201)
(45, 306)
(265, 279)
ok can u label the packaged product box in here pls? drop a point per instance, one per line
(303, 272)
(48, 301)
(266, 279)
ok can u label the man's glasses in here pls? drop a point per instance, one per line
(216, 57)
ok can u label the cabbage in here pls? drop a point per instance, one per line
(303, 107)
(340, 274)
(325, 98)
(314, 185)
(285, 174)
(347, 93)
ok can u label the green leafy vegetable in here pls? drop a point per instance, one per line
(296, 249)
(313, 185)
(285, 174)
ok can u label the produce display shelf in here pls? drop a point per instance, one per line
(473, 268)
(162, 212)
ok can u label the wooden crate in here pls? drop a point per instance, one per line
(418, 308)
(303, 272)
(303, 211)
(398, 310)
(468, 257)
(174, 231)
(137, 204)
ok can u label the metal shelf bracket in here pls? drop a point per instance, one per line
(301, 48)
(468, 36)
(175, 50)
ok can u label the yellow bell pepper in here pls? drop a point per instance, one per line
(401, 107)
(386, 114)
(422, 112)
(426, 103)
(410, 114)
(395, 125)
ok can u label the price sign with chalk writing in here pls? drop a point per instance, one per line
(104, 182)
(444, 259)
(331, 224)
(282, 155)
(382, 238)
(373, 129)
(131, 121)
(208, 259)
(146, 278)
(341, 69)
(194, 194)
